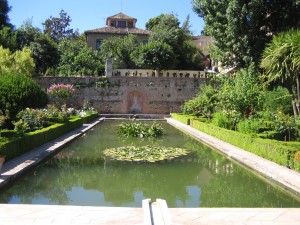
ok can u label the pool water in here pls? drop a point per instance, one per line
(81, 175)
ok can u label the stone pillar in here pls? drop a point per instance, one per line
(108, 67)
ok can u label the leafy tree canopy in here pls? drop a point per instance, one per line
(78, 58)
(166, 28)
(8, 38)
(281, 61)
(17, 62)
(45, 52)
(156, 55)
(120, 49)
(241, 28)
(27, 33)
(58, 27)
(4, 10)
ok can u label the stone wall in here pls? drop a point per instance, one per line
(147, 95)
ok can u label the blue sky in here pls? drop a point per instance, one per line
(91, 14)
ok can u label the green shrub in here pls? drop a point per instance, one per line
(222, 119)
(249, 126)
(56, 115)
(269, 149)
(18, 145)
(31, 119)
(272, 135)
(182, 118)
(18, 92)
(276, 151)
(278, 100)
(3, 121)
(205, 102)
(9, 133)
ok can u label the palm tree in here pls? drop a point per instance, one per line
(281, 61)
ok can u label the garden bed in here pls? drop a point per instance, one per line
(15, 146)
(280, 152)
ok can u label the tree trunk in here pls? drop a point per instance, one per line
(296, 102)
(298, 86)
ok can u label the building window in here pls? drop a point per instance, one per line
(113, 23)
(122, 24)
(130, 24)
(98, 44)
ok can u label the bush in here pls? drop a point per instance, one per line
(278, 100)
(222, 119)
(18, 92)
(249, 126)
(279, 152)
(17, 145)
(204, 104)
(60, 94)
(3, 121)
(30, 120)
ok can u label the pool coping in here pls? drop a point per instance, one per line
(49, 214)
(286, 178)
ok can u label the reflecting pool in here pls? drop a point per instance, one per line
(80, 175)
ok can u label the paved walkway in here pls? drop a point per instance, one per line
(44, 214)
(85, 215)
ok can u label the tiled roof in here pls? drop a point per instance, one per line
(122, 16)
(118, 30)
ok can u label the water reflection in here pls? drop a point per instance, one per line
(80, 175)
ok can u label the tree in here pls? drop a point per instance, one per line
(18, 92)
(156, 55)
(77, 58)
(26, 33)
(241, 28)
(8, 38)
(57, 27)
(18, 62)
(45, 53)
(120, 48)
(166, 28)
(281, 61)
(4, 10)
(23, 62)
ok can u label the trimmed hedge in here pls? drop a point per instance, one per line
(19, 145)
(279, 152)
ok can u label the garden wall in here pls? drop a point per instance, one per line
(147, 95)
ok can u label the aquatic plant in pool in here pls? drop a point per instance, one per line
(148, 153)
(140, 129)
(82, 175)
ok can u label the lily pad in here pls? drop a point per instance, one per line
(147, 153)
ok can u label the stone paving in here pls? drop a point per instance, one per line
(85, 215)
(50, 214)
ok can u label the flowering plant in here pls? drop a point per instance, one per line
(59, 94)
